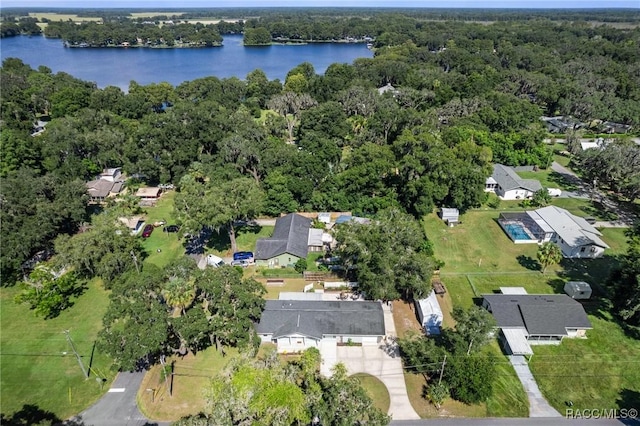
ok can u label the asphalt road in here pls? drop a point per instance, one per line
(118, 406)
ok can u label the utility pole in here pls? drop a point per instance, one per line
(78, 357)
(444, 362)
(135, 260)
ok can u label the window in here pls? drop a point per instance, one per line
(582, 249)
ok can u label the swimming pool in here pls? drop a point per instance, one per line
(516, 231)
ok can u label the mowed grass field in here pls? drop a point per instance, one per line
(599, 371)
(37, 365)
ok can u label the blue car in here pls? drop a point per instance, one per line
(243, 255)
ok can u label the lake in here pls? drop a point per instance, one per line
(119, 66)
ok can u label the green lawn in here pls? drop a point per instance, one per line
(600, 371)
(478, 245)
(376, 390)
(509, 398)
(169, 244)
(37, 364)
(549, 179)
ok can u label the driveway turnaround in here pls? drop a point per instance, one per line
(538, 406)
(118, 406)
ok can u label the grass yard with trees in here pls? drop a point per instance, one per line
(37, 364)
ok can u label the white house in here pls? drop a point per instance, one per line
(573, 234)
(576, 237)
(430, 314)
(296, 325)
(507, 185)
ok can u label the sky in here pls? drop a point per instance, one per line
(150, 4)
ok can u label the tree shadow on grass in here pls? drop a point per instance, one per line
(599, 211)
(567, 182)
(220, 241)
(594, 271)
(627, 400)
(529, 263)
(31, 414)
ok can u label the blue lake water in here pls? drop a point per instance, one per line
(119, 66)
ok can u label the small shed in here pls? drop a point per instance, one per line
(450, 216)
(578, 289)
(430, 314)
(324, 217)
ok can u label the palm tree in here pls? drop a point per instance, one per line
(548, 254)
(178, 293)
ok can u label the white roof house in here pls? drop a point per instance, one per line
(430, 313)
(573, 234)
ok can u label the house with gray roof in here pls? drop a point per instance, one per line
(507, 185)
(528, 319)
(108, 184)
(288, 243)
(296, 325)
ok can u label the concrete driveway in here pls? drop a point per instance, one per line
(538, 405)
(385, 366)
(381, 361)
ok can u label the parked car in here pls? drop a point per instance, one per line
(171, 228)
(554, 192)
(146, 232)
(243, 255)
(243, 263)
(215, 261)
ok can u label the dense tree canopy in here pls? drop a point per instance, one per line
(389, 258)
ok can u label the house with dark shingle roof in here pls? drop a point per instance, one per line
(288, 243)
(527, 319)
(507, 185)
(296, 325)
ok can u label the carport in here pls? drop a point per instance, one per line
(516, 340)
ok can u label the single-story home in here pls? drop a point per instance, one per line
(430, 314)
(151, 193)
(108, 184)
(288, 243)
(578, 289)
(296, 325)
(450, 216)
(134, 223)
(573, 234)
(527, 319)
(507, 185)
